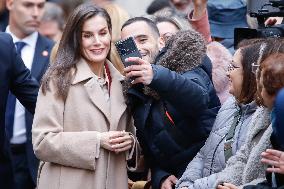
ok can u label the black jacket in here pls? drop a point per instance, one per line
(39, 67)
(193, 105)
(175, 113)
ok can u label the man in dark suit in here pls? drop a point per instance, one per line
(24, 20)
(16, 78)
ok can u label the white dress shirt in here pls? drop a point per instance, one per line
(27, 54)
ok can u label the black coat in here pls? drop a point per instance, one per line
(39, 66)
(14, 76)
(192, 103)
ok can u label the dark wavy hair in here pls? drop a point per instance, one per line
(69, 53)
(255, 51)
(272, 71)
(275, 46)
(148, 21)
(250, 54)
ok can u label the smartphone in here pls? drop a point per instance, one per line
(127, 48)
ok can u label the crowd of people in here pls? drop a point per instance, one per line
(192, 112)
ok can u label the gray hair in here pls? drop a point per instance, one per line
(53, 12)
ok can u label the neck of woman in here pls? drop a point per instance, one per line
(97, 68)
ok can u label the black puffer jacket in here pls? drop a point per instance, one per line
(175, 113)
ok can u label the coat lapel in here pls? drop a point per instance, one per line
(41, 58)
(96, 95)
(93, 89)
(117, 101)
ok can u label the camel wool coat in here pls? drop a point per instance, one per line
(66, 134)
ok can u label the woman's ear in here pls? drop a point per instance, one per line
(161, 43)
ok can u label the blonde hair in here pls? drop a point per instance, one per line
(53, 53)
(118, 17)
(170, 14)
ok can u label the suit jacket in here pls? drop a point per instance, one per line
(39, 66)
(4, 19)
(14, 76)
(66, 134)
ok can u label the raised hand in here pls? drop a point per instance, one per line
(199, 8)
(271, 21)
(199, 2)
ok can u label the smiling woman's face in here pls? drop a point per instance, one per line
(96, 39)
(235, 74)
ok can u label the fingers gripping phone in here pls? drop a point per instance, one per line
(127, 48)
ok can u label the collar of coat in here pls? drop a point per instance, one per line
(112, 113)
(84, 72)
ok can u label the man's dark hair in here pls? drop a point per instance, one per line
(148, 21)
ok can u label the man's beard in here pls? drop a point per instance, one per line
(152, 57)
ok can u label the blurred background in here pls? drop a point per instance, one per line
(134, 7)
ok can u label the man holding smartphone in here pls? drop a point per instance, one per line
(173, 112)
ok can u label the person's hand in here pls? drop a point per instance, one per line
(227, 186)
(271, 21)
(122, 143)
(142, 71)
(200, 7)
(106, 137)
(274, 158)
(199, 3)
(169, 182)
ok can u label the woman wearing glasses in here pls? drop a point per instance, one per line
(248, 167)
(231, 125)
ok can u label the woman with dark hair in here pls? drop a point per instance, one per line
(245, 167)
(230, 129)
(82, 129)
(270, 82)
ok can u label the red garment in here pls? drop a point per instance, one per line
(201, 25)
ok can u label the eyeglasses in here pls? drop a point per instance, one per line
(232, 67)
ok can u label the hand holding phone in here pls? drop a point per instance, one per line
(127, 48)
